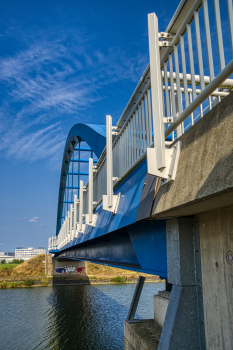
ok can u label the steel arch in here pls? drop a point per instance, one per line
(95, 137)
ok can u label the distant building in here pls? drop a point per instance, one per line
(7, 256)
(21, 253)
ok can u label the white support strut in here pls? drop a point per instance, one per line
(81, 226)
(161, 161)
(90, 217)
(75, 214)
(110, 201)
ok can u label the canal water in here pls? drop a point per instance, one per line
(85, 317)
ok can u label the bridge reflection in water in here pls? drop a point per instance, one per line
(69, 317)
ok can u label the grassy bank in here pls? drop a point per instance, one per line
(31, 274)
(27, 282)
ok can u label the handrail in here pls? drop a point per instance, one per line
(181, 98)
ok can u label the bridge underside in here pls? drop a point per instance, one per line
(139, 247)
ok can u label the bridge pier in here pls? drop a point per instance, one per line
(183, 326)
(66, 271)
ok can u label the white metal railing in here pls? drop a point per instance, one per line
(168, 99)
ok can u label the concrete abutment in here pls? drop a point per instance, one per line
(199, 313)
(67, 271)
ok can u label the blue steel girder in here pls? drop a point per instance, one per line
(95, 137)
(139, 247)
(125, 239)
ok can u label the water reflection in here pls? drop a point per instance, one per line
(69, 317)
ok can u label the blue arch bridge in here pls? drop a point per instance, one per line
(136, 195)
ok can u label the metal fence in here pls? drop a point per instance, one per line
(186, 77)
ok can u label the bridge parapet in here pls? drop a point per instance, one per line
(167, 101)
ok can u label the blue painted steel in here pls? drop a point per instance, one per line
(150, 237)
(143, 247)
(95, 137)
(72, 188)
(83, 149)
(77, 173)
(117, 240)
(139, 247)
(83, 160)
(130, 190)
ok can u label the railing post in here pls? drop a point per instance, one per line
(90, 217)
(110, 201)
(109, 160)
(161, 161)
(81, 226)
(156, 90)
(71, 217)
(75, 213)
(68, 226)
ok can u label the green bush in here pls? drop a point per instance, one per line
(118, 279)
(3, 261)
(15, 284)
(44, 282)
(16, 261)
(29, 282)
(3, 285)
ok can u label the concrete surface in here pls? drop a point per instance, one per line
(204, 179)
(67, 271)
(141, 336)
(49, 265)
(160, 307)
(216, 243)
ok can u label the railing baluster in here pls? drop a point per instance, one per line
(140, 128)
(143, 126)
(183, 61)
(219, 34)
(230, 21)
(199, 50)
(146, 117)
(191, 63)
(172, 87)
(208, 39)
(128, 142)
(191, 100)
(149, 116)
(134, 138)
(131, 143)
(166, 90)
(136, 134)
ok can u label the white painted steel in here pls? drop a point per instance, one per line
(219, 34)
(90, 190)
(156, 92)
(139, 124)
(109, 160)
(75, 213)
(80, 225)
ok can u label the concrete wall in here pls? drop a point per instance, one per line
(49, 265)
(68, 271)
(160, 307)
(216, 243)
(204, 179)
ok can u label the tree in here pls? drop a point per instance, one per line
(3, 261)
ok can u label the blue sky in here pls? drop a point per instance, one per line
(61, 62)
(64, 62)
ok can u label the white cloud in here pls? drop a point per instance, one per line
(51, 82)
(35, 219)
